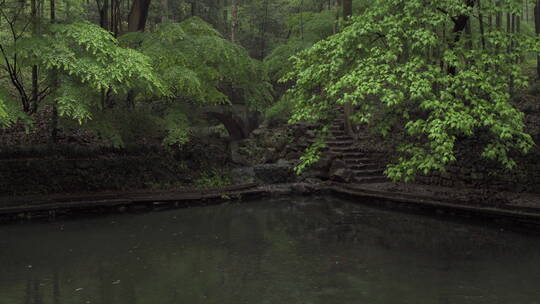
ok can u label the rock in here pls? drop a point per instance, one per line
(83, 164)
(342, 175)
(298, 132)
(281, 189)
(293, 155)
(338, 164)
(313, 181)
(339, 171)
(303, 188)
(283, 162)
(258, 132)
(323, 164)
(243, 175)
(280, 172)
(271, 155)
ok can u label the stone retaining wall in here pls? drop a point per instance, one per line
(34, 176)
(476, 172)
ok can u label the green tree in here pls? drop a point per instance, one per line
(198, 66)
(87, 59)
(380, 64)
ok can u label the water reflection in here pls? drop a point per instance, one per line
(275, 251)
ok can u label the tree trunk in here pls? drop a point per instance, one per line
(481, 25)
(164, 10)
(337, 17)
(498, 18)
(263, 30)
(526, 11)
(54, 85)
(537, 28)
(115, 17)
(138, 15)
(234, 20)
(104, 15)
(347, 9)
(35, 76)
(460, 23)
(348, 107)
(301, 19)
(469, 35)
(136, 23)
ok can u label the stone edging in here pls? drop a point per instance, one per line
(202, 197)
(529, 217)
(62, 205)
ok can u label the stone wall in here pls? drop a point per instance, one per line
(473, 171)
(40, 176)
(60, 169)
(489, 175)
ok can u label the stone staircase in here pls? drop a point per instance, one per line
(365, 166)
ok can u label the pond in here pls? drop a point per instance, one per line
(279, 251)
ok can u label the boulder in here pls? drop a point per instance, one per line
(342, 175)
(271, 156)
(277, 173)
(324, 163)
(303, 188)
(293, 155)
(243, 175)
(313, 181)
(339, 172)
(299, 131)
(338, 164)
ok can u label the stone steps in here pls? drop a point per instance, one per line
(357, 160)
(339, 134)
(340, 145)
(344, 137)
(368, 172)
(363, 166)
(370, 179)
(354, 154)
(339, 151)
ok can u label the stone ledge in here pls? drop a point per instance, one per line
(527, 215)
(34, 207)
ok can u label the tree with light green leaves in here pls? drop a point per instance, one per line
(410, 66)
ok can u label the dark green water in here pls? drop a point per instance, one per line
(274, 251)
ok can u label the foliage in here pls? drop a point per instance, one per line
(313, 152)
(212, 178)
(198, 64)
(176, 123)
(4, 117)
(379, 63)
(121, 126)
(87, 59)
(306, 27)
(281, 110)
(10, 111)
